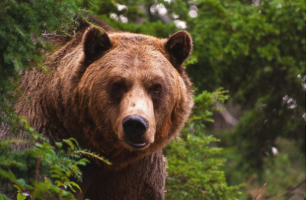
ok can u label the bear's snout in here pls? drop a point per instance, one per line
(134, 127)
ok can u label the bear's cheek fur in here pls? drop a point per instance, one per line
(172, 114)
(91, 96)
(163, 115)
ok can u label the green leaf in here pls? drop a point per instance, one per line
(21, 196)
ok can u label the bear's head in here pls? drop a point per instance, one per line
(131, 92)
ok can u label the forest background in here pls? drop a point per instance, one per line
(247, 136)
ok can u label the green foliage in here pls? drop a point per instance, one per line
(22, 24)
(257, 53)
(283, 172)
(43, 170)
(193, 167)
(203, 109)
(134, 12)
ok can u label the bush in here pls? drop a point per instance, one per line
(193, 165)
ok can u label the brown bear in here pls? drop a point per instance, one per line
(121, 95)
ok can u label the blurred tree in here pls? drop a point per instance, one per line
(258, 53)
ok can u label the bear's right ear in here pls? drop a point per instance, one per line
(95, 42)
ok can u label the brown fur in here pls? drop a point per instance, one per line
(97, 80)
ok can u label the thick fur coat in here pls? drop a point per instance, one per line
(122, 95)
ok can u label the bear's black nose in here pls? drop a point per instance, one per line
(134, 126)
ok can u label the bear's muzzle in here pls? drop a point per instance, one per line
(134, 126)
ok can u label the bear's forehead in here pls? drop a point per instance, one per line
(144, 57)
(135, 50)
(134, 39)
(133, 64)
(136, 54)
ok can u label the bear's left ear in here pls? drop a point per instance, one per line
(95, 42)
(179, 46)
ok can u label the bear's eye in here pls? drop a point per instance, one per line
(116, 87)
(156, 88)
(116, 90)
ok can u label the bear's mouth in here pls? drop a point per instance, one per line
(137, 145)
